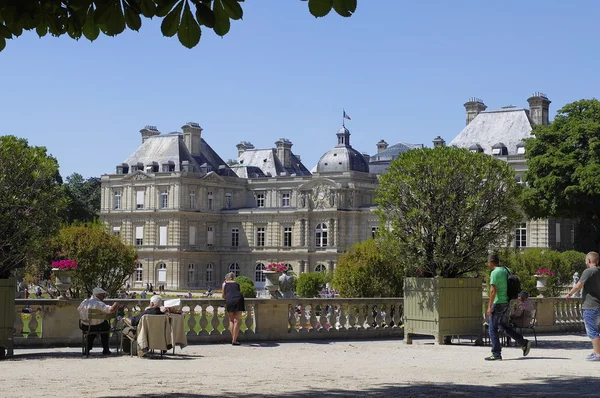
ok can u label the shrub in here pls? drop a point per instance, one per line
(244, 279)
(247, 290)
(309, 284)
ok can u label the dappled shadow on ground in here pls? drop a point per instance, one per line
(543, 387)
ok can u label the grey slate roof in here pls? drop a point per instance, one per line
(247, 171)
(343, 157)
(508, 125)
(393, 151)
(270, 164)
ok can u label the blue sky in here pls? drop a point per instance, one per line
(401, 69)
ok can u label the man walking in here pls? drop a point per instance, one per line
(498, 310)
(590, 299)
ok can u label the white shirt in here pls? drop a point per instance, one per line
(94, 304)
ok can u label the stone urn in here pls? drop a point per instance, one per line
(272, 283)
(540, 283)
(63, 281)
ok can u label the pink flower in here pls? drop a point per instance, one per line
(65, 265)
(545, 272)
(277, 267)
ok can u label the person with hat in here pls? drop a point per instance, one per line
(521, 317)
(96, 301)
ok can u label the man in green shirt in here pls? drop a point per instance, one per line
(498, 311)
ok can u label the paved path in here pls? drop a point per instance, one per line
(389, 368)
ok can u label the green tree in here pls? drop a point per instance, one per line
(104, 260)
(446, 207)
(84, 198)
(89, 18)
(308, 284)
(564, 167)
(31, 200)
(246, 286)
(370, 269)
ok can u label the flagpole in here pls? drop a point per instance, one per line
(343, 121)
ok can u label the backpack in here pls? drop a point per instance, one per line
(513, 285)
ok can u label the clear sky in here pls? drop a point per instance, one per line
(401, 69)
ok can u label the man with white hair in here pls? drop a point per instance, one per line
(96, 301)
(154, 308)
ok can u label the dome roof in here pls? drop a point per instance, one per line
(343, 157)
(391, 152)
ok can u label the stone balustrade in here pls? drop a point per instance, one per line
(56, 321)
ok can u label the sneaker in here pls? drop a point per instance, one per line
(493, 358)
(526, 348)
(593, 357)
(106, 352)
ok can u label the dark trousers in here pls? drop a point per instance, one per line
(102, 327)
(499, 321)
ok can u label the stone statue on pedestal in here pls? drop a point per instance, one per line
(286, 285)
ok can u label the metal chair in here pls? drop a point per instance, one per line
(96, 314)
(531, 326)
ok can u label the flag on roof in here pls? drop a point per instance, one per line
(346, 116)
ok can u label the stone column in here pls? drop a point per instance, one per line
(332, 240)
(302, 232)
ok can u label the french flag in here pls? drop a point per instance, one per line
(346, 116)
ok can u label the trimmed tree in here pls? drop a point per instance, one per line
(563, 167)
(445, 207)
(308, 284)
(103, 259)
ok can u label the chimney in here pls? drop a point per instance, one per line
(149, 131)
(438, 142)
(243, 146)
(366, 156)
(284, 151)
(474, 107)
(192, 137)
(539, 107)
(381, 146)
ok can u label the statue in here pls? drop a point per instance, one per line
(286, 285)
(302, 201)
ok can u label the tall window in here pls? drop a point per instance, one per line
(521, 235)
(287, 236)
(259, 276)
(235, 237)
(164, 199)
(260, 200)
(116, 231)
(192, 235)
(235, 268)
(162, 272)
(374, 231)
(139, 235)
(285, 199)
(210, 198)
(210, 236)
(117, 200)
(320, 268)
(260, 236)
(209, 272)
(139, 199)
(162, 235)
(191, 274)
(321, 235)
(228, 200)
(192, 199)
(139, 272)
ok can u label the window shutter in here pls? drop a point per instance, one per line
(139, 232)
(163, 235)
(192, 235)
(139, 198)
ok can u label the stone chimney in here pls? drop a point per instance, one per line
(539, 109)
(474, 107)
(192, 137)
(284, 151)
(382, 146)
(149, 131)
(438, 142)
(243, 146)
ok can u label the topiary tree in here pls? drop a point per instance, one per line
(247, 287)
(308, 284)
(370, 269)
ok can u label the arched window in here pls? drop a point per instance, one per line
(235, 268)
(209, 272)
(162, 272)
(320, 268)
(191, 274)
(139, 272)
(258, 273)
(321, 235)
(289, 267)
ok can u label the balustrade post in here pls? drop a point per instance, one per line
(545, 313)
(272, 319)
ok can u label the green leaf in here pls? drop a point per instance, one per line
(133, 20)
(74, 29)
(222, 23)
(5, 32)
(90, 30)
(2, 43)
(189, 31)
(345, 8)
(320, 8)
(205, 15)
(233, 9)
(148, 8)
(163, 7)
(170, 24)
(115, 23)
(42, 28)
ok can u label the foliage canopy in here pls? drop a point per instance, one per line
(308, 284)
(89, 18)
(84, 198)
(446, 207)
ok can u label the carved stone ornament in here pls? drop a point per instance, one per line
(140, 176)
(321, 196)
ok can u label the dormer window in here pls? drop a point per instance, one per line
(168, 167)
(499, 150)
(137, 167)
(521, 148)
(476, 148)
(123, 168)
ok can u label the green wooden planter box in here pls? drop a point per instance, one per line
(442, 307)
(7, 315)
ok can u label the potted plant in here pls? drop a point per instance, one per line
(62, 271)
(272, 273)
(541, 279)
